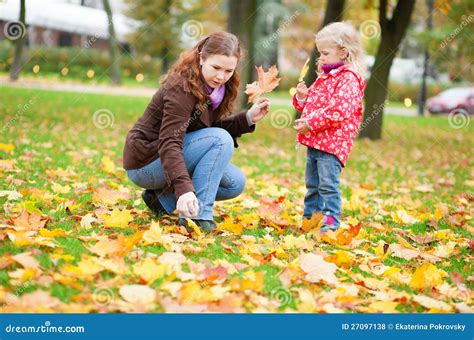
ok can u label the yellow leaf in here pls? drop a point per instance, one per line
(117, 218)
(193, 293)
(403, 217)
(341, 258)
(108, 165)
(89, 266)
(52, 233)
(195, 227)
(229, 225)
(427, 276)
(304, 70)
(154, 234)
(61, 189)
(7, 147)
(110, 197)
(149, 270)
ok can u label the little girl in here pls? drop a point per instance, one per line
(331, 114)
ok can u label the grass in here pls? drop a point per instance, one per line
(420, 164)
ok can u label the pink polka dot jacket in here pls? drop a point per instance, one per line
(333, 107)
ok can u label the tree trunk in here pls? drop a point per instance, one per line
(113, 47)
(393, 31)
(166, 57)
(334, 11)
(241, 22)
(19, 43)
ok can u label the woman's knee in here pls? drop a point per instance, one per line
(222, 137)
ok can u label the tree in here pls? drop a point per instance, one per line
(241, 22)
(162, 24)
(392, 33)
(113, 46)
(334, 12)
(19, 32)
(269, 16)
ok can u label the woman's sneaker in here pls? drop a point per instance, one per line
(205, 225)
(151, 200)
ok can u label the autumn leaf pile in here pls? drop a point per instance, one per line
(76, 237)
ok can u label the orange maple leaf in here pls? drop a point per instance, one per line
(266, 82)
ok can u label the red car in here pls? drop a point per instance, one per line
(461, 98)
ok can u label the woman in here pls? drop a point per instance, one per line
(180, 148)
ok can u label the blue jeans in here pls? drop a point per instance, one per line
(322, 183)
(206, 153)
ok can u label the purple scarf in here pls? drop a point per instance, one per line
(216, 96)
(329, 67)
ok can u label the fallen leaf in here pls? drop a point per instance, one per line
(317, 269)
(117, 218)
(427, 276)
(140, 294)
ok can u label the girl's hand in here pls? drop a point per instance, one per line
(259, 109)
(301, 126)
(301, 91)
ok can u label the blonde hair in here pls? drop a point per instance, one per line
(344, 35)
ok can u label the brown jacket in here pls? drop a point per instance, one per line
(160, 131)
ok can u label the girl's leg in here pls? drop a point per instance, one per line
(312, 201)
(232, 183)
(329, 169)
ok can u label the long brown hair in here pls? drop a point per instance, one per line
(186, 72)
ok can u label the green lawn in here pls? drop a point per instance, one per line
(416, 182)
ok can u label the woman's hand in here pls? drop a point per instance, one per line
(259, 109)
(188, 204)
(301, 126)
(301, 91)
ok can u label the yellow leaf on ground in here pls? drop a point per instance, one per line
(229, 225)
(383, 307)
(108, 165)
(60, 189)
(7, 147)
(154, 234)
(341, 258)
(427, 276)
(117, 218)
(149, 270)
(52, 233)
